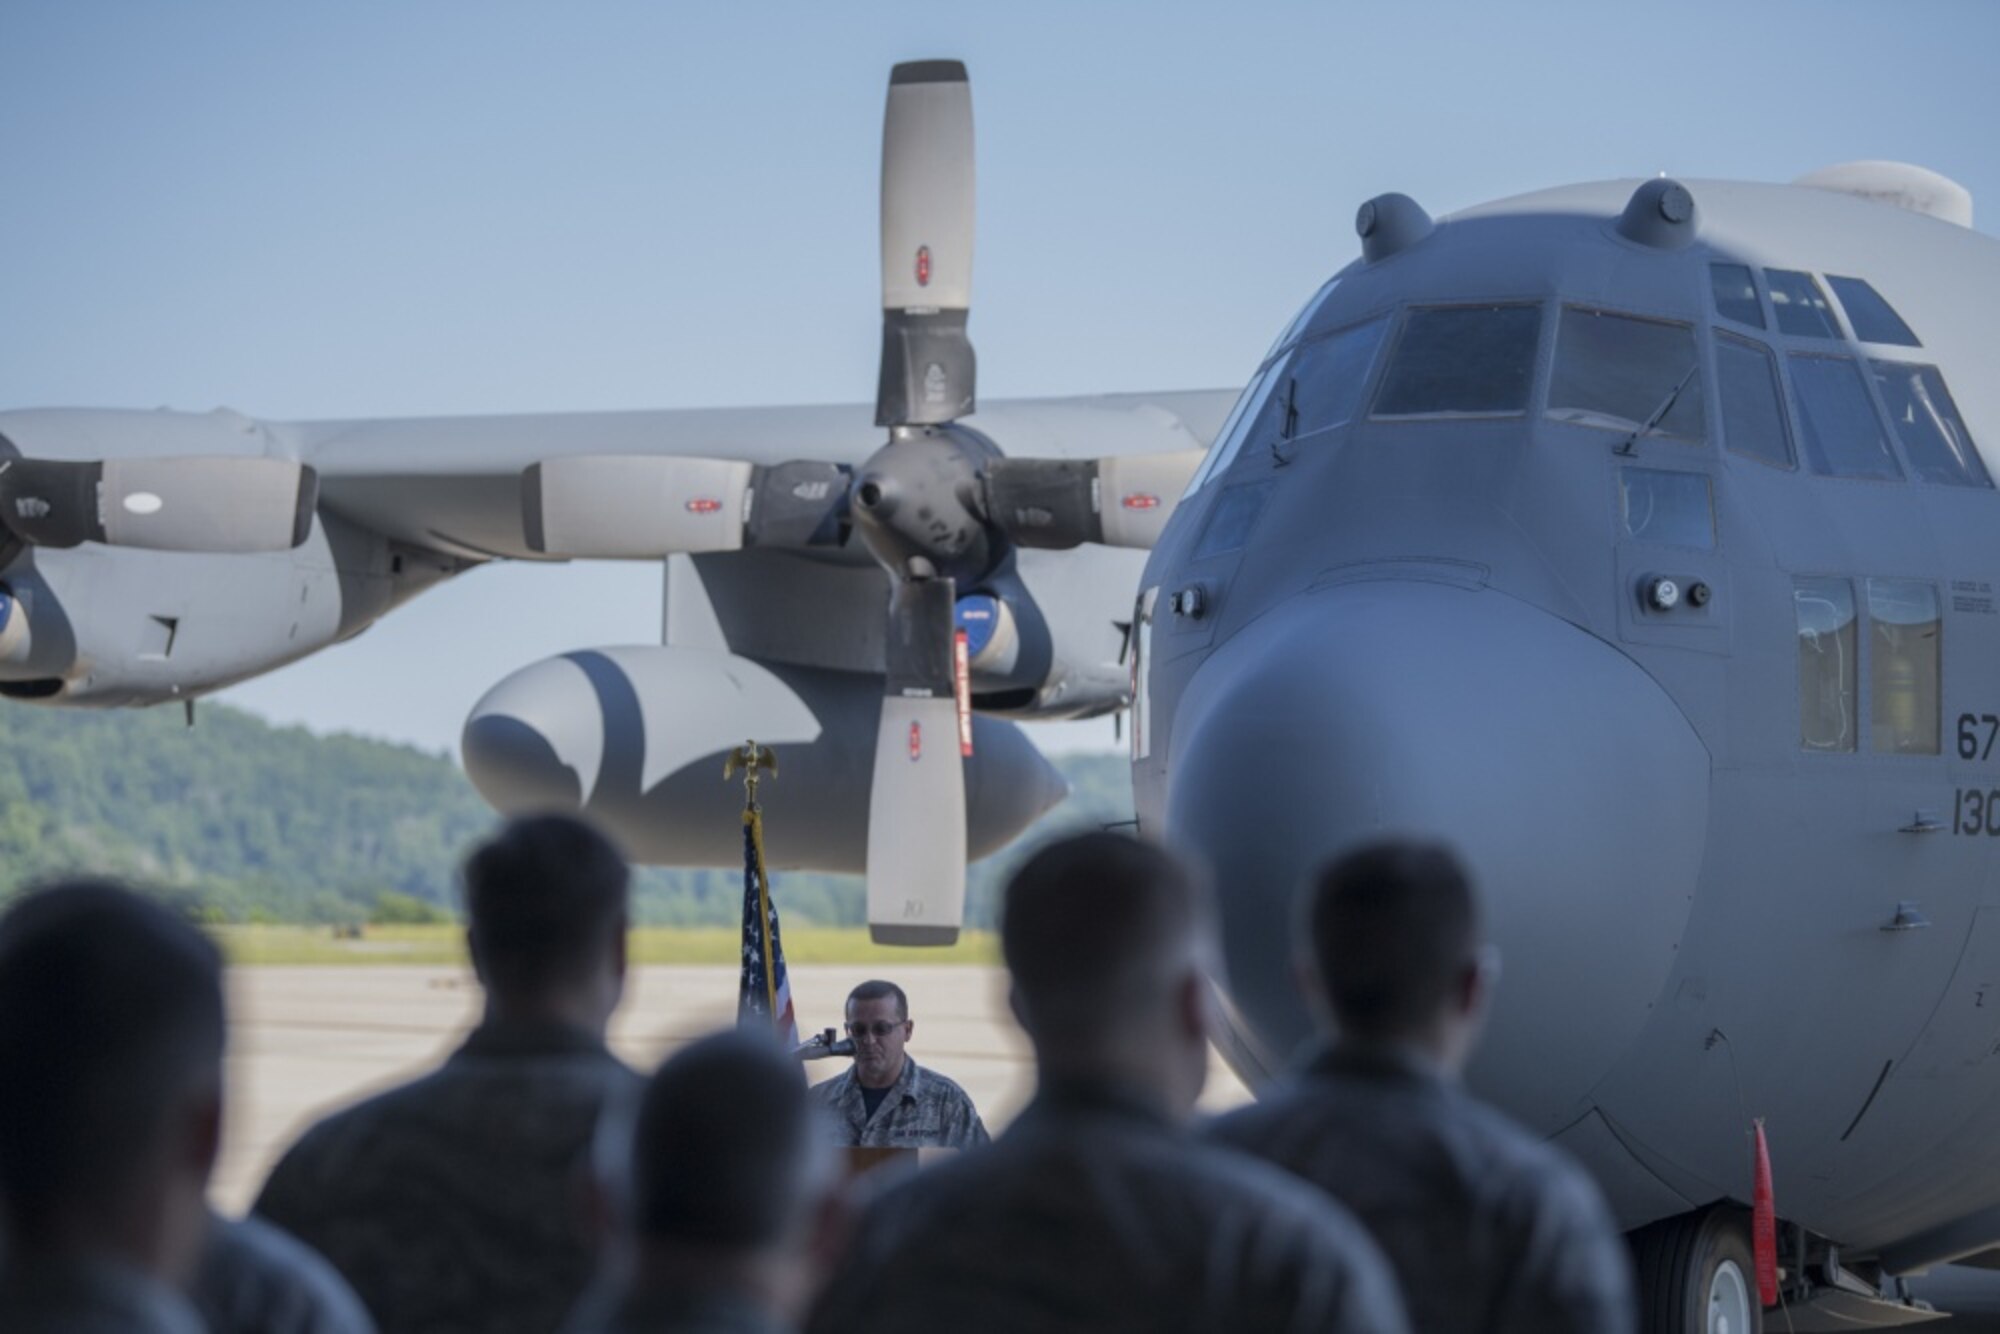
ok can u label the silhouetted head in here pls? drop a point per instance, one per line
(111, 1037)
(1396, 949)
(879, 1025)
(546, 911)
(1106, 939)
(730, 1175)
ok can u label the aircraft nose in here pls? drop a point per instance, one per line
(1572, 785)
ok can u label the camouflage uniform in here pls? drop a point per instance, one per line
(1491, 1230)
(451, 1203)
(90, 1297)
(1094, 1213)
(254, 1279)
(923, 1109)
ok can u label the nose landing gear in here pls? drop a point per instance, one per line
(1695, 1275)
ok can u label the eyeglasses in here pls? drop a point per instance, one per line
(881, 1028)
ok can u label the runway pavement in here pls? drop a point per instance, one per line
(305, 1040)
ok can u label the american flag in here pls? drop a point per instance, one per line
(766, 994)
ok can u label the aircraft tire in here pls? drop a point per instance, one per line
(1696, 1275)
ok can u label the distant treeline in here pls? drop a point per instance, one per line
(236, 820)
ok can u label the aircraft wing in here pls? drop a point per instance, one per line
(454, 484)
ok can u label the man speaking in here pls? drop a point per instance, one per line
(886, 1100)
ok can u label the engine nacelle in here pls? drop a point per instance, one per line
(635, 737)
(100, 625)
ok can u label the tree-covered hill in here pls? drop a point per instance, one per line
(245, 821)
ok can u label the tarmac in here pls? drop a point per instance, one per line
(307, 1040)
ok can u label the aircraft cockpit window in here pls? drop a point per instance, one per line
(1316, 386)
(1736, 294)
(1327, 377)
(1927, 421)
(1827, 663)
(1462, 361)
(1842, 435)
(1903, 639)
(1249, 410)
(1303, 318)
(1627, 374)
(1873, 319)
(1753, 413)
(1799, 304)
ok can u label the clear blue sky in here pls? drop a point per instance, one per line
(369, 209)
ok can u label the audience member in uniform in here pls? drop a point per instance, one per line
(1095, 1210)
(454, 1202)
(885, 1099)
(254, 1278)
(111, 1036)
(1491, 1230)
(728, 1187)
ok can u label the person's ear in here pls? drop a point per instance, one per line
(472, 952)
(595, 1209)
(1304, 983)
(909, 1029)
(1192, 1007)
(621, 946)
(203, 1144)
(1481, 975)
(1014, 1007)
(1311, 988)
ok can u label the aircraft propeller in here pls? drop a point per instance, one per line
(914, 502)
(938, 506)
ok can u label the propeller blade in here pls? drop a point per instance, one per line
(225, 504)
(644, 506)
(916, 802)
(928, 372)
(1122, 501)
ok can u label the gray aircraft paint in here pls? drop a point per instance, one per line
(403, 504)
(1437, 627)
(1428, 626)
(634, 737)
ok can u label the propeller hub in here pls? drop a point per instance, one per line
(915, 503)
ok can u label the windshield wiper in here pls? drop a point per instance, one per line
(1659, 413)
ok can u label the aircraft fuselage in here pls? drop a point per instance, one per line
(1664, 586)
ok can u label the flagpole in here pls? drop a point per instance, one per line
(751, 758)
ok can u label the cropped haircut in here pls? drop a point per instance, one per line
(1393, 926)
(725, 1149)
(111, 1013)
(877, 989)
(544, 898)
(1095, 927)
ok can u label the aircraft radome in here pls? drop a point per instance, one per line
(1632, 536)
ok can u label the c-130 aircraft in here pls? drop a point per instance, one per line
(1630, 536)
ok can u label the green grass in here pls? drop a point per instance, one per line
(444, 944)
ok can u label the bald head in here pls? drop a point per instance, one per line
(1101, 933)
(1395, 933)
(111, 1024)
